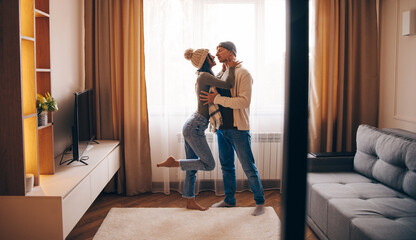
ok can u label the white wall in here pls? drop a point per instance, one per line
(67, 64)
(397, 68)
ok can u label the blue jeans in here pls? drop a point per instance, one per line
(198, 153)
(240, 141)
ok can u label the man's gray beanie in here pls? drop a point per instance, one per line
(230, 46)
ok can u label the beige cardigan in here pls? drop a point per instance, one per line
(241, 97)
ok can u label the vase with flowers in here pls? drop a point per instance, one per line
(45, 104)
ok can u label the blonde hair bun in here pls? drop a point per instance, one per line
(188, 53)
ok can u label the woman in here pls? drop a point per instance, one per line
(198, 153)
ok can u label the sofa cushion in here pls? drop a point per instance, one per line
(386, 157)
(401, 133)
(325, 187)
(373, 218)
(339, 177)
(383, 228)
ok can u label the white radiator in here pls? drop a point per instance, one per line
(267, 151)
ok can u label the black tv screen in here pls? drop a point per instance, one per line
(83, 128)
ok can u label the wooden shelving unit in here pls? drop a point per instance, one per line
(58, 201)
(25, 71)
(43, 84)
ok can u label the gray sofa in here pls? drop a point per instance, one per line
(372, 195)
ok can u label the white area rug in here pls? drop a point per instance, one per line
(181, 223)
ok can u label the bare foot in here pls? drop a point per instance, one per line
(192, 204)
(170, 162)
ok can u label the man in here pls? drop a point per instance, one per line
(234, 133)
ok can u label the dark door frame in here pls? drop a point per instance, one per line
(296, 121)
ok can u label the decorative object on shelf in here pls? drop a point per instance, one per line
(43, 105)
(43, 118)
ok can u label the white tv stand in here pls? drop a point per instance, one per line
(52, 209)
(89, 147)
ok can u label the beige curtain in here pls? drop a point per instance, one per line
(344, 73)
(114, 52)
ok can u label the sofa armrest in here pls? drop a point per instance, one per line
(331, 162)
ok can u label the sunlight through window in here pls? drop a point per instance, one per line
(257, 27)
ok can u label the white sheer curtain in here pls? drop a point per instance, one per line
(257, 27)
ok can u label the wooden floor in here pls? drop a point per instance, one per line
(92, 219)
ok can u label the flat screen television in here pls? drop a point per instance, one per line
(83, 129)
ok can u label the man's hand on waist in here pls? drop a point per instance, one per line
(207, 97)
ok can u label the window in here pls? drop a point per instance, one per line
(257, 27)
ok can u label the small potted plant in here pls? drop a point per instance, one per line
(45, 104)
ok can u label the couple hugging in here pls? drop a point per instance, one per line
(224, 103)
